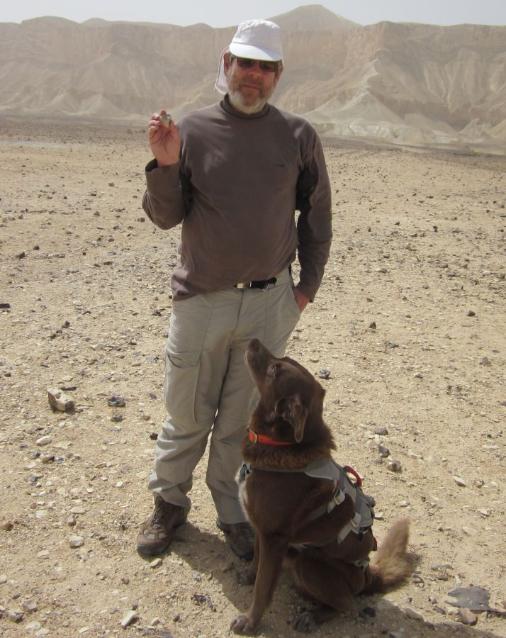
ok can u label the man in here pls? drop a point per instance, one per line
(233, 174)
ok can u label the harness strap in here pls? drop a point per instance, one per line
(351, 526)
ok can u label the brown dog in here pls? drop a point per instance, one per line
(304, 508)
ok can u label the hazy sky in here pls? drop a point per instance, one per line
(218, 13)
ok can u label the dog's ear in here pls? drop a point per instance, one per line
(292, 410)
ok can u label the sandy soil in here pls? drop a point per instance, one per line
(409, 322)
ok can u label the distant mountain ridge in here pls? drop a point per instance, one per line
(405, 83)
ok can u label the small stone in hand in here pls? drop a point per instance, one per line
(165, 119)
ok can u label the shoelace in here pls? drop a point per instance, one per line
(158, 515)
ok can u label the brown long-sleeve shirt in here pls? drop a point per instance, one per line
(236, 188)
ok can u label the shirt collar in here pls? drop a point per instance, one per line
(226, 105)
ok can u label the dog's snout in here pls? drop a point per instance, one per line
(257, 357)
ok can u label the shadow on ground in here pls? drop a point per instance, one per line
(208, 554)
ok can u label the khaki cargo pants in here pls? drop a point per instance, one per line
(209, 394)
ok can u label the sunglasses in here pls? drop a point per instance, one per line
(264, 65)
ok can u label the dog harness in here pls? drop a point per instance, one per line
(364, 505)
(329, 470)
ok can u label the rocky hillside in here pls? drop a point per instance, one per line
(406, 83)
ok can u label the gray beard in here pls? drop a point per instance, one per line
(236, 101)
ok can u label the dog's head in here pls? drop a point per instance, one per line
(290, 397)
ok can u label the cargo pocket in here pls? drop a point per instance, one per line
(182, 371)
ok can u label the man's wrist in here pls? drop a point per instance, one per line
(301, 299)
(305, 292)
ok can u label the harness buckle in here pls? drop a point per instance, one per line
(362, 564)
(244, 472)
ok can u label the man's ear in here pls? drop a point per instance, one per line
(292, 410)
(227, 61)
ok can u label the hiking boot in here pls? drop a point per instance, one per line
(240, 537)
(157, 531)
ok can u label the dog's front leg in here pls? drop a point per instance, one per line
(271, 552)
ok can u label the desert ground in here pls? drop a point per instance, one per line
(408, 326)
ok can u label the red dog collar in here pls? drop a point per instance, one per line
(266, 440)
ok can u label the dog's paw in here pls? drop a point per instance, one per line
(246, 577)
(305, 622)
(242, 625)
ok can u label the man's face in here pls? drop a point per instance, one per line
(250, 82)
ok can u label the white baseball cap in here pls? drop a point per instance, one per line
(254, 39)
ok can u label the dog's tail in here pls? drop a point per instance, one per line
(391, 565)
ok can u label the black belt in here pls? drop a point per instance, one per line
(262, 284)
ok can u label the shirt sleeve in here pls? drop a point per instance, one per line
(314, 226)
(163, 201)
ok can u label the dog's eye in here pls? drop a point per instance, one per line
(272, 370)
